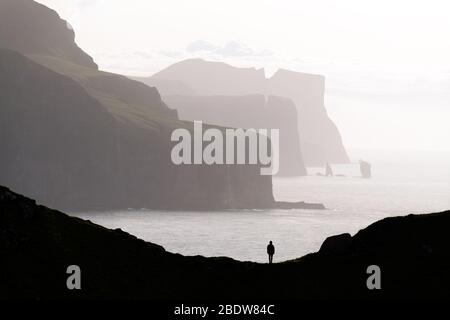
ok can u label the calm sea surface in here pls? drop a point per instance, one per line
(402, 183)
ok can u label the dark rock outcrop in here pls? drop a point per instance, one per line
(337, 244)
(37, 245)
(320, 139)
(251, 111)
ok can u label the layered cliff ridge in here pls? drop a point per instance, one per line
(413, 253)
(76, 138)
(250, 111)
(29, 27)
(70, 150)
(320, 140)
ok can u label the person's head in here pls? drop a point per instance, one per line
(270, 242)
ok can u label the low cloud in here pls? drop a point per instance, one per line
(171, 53)
(201, 45)
(230, 49)
(85, 4)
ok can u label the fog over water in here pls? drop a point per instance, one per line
(402, 183)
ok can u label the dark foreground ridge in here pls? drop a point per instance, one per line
(37, 245)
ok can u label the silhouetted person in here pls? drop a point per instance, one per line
(328, 170)
(270, 251)
(365, 168)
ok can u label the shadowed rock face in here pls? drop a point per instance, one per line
(251, 111)
(29, 27)
(320, 139)
(412, 252)
(75, 138)
(68, 150)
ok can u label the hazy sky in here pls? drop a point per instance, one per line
(386, 62)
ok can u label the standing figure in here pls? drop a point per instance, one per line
(270, 251)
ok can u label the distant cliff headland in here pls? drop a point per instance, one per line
(37, 245)
(74, 137)
(223, 94)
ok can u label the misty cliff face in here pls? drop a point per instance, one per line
(250, 111)
(74, 137)
(320, 139)
(66, 149)
(26, 26)
(166, 86)
(412, 253)
(214, 78)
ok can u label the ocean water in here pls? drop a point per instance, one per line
(402, 183)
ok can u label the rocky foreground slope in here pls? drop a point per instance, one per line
(37, 245)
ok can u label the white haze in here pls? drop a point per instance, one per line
(386, 62)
